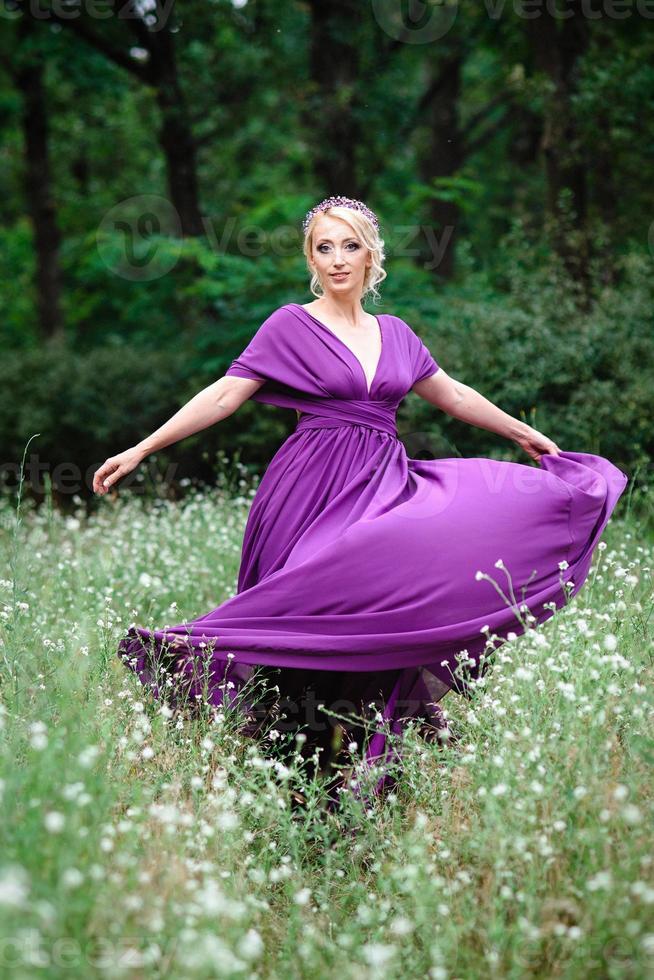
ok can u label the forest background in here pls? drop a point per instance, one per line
(157, 161)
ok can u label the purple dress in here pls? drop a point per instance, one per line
(360, 564)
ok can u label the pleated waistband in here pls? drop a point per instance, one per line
(309, 420)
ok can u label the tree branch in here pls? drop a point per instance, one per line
(502, 97)
(473, 145)
(98, 42)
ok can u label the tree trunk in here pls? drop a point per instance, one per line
(443, 158)
(28, 77)
(606, 198)
(557, 52)
(175, 135)
(329, 112)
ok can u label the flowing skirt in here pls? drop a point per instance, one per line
(374, 583)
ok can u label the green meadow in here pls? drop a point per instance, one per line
(138, 842)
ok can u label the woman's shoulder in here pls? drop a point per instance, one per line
(289, 314)
(276, 320)
(400, 320)
(403, 328)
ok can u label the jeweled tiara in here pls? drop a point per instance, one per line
(344, 202)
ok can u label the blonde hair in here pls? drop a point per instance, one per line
(370, 237)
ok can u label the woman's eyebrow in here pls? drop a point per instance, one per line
(321, 240)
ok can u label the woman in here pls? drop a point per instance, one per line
(369, 578)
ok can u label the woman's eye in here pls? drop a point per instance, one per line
(354, 245)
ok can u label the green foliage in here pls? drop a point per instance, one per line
(17, 299)
(583, 378)
(86, 406)
(509, 324)
(82, 403)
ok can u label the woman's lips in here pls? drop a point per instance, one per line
(340, 275)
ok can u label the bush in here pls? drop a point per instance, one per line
(87, 406)
(583, 378)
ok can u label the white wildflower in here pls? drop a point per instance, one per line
(601, 880)
(302, 897)
(227, 820)
(14, 886)
(72, 878)
(401, 925)
(54, 821)
(250, 946)
(378, 954)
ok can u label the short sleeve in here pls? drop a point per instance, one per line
(255, 361)
(282, 355)
(423, 364)
(420, 362)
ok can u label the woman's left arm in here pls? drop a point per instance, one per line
(463, 402)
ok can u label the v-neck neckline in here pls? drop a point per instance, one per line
(349, 349)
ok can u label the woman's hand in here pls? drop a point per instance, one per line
(535, 444)
(115, 468)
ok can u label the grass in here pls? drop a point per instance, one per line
(140, 844)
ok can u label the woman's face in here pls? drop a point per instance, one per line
(339, 257)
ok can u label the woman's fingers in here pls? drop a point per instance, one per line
(97, 480)
(105, 476)
(111, 479)
(115, 468)
(99, 476)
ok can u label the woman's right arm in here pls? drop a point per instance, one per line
(214, 403)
